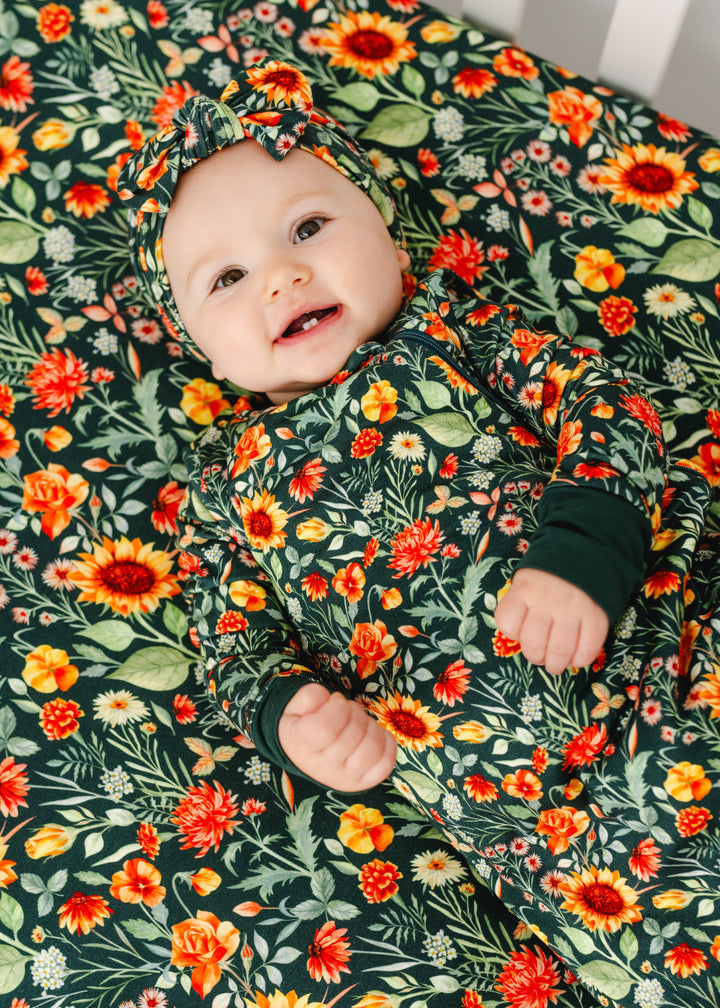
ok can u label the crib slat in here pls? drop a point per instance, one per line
(639, 44)
(501, 17)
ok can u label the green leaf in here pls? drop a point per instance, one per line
(700, 213)
(23, 194)
(18, 242)
(628, 945)
(580, 939)
(11, 913)
(360, 96)
(111, 634)
(424, 787)
(693, 260)
(12, 968)
(155, 668)
(434, 394)
(175, 620)
(413, 82)
(398, 126)
(450, 429)
(646, 230)
(607, 978)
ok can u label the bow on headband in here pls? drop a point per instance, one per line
(272, 104)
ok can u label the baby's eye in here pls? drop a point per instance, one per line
(229, 277)
(309, 228)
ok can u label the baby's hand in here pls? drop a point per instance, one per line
(334, 741)
(556, 624)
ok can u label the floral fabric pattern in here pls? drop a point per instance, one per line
(147, 856)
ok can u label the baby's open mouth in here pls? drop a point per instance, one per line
(307, 321)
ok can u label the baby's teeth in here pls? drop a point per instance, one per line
(310, 323)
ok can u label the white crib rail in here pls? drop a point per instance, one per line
(640, 35)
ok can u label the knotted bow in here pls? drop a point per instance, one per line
(273, 104)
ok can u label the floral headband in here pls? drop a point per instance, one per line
(273, 104)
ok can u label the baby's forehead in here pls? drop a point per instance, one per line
(238, 173)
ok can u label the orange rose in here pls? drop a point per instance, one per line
(252, 446)
(48, 668)
(560, 825)
(203, 942)
(55, 493)
(577, 111)
(372, 644)
(523, 784)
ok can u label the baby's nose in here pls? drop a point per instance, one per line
(285, 277)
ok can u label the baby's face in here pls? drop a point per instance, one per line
(279, 269)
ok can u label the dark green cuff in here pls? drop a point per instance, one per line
(278, 693)
(595, 540)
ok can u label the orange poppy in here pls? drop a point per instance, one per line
(138, 882)
(364, 829)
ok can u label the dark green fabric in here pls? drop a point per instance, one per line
(124, 783)
(598, 543)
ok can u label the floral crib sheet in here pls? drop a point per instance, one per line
(147, 856)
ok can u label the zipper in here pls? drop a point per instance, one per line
(420, 336)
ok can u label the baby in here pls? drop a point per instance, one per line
(274, 256)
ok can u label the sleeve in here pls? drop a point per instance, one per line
(252, 657)
(605, 445)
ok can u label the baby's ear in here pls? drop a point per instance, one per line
(403, 259)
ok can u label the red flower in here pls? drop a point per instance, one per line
(328, 953)
(529, 978)
(184, 709)
(57, 380)
(642, 410)
(365, 442)
(414, 547)
(479, 789)
(616, 315)
(459, 252)
(315, 586)
(473, 82)
(35, 280)
(13, 786)
(378, 880)
(452, 684)
(644, 860)
(684, 961)
(584, 748)
(504, 646)
(148, 840)
(157, 14)
(307, 480)
(231, 622)
(16, 85)
(166, 507)
(85, 199)
(53, 22)
(429, 164)
(59, 718)
(83, 912)
(172, 97)
(692, 820)
(204, 815)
